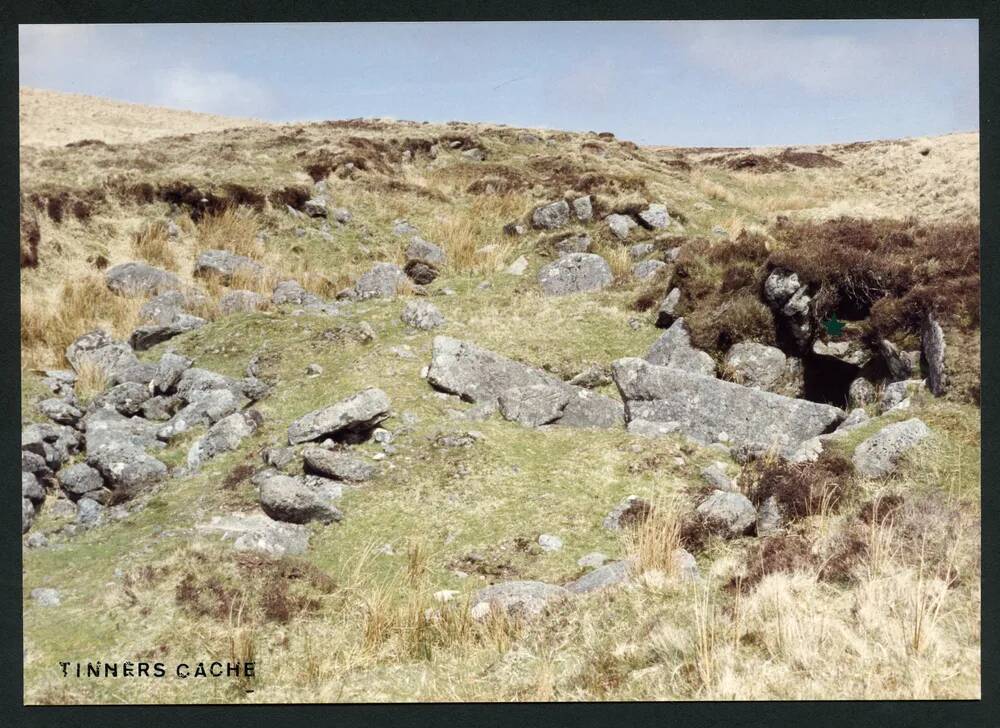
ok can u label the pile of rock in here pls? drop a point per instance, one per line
(326, 466)
(144, 406)
(558, 214)
(424, 260)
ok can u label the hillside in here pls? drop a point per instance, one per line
(54, 119)
(368, 409)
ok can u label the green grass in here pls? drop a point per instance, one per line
(644, 642)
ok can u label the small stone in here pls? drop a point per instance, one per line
(647, 269)
(603, 577)
(640, 250)
(518, 267)
(631, 511)
(36, 541)
(860, 393)
(727, 513)
(591, 378)
(933, 345)
(583, 209)
(575, 273)
(769, 517)
(593, 560)
(45, 597)
(666, 314)
(620, 225)
(715, 475)
(422, 315)
(551, 216)
(549, 542)
(89, 512)
(655, 217)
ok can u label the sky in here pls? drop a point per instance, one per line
(691, 83)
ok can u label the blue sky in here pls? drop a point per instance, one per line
(698, 83)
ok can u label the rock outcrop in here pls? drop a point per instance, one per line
(713, 410)
(478, 375)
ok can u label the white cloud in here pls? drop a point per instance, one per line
(834, 59)
(46, 48)
(216, 92)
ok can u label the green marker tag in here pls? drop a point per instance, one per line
(834, 327)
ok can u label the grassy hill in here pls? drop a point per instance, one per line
(54, 119)
(840, 605)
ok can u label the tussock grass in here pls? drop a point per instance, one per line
(654, 541)
(49, 326)
(152, 244)
(234, 229)
(90, 381)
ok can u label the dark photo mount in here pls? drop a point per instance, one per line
(213, 461)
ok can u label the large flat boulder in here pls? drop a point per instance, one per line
(478, 375)
(149, 335)
(535, 404)
(165, 307)
(97, 349)
(226, 265)
(575, 273)
(298, 500)
(138, 278)
(881, 453)
(357, 414)
(337, 465)
(589, 409)
(517, 599)
(710, 409)
(257, 532)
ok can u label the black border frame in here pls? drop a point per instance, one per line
(816, 713)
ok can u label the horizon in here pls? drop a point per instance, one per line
(487, 122)
(856, 80)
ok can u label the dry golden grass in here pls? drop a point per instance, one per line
(472, 237)
(54, 118)
(234, 229)
(91, 380)
(49, 325)
(653, 543)
(152, 244)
